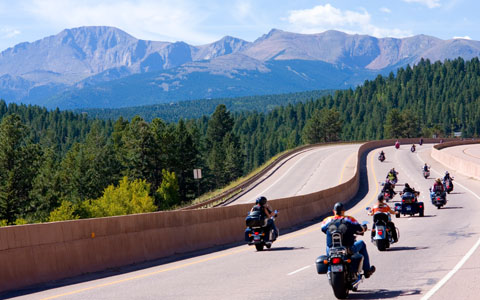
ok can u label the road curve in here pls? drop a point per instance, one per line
(415, 268)
(306, 172)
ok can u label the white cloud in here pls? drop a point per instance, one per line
(145, 19)
(322, 18)
(385, 10)
(429, 3)
(7, 33)
(462, 37)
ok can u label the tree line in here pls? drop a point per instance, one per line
(60, 165)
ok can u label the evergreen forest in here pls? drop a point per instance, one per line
(58, 165)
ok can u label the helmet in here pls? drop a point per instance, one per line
(406, 185)
(446, 173)
(438, 180)
(380, 197)
(261, 200)
(338, 207)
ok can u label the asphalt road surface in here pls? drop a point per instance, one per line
(306, 172)
(436, 257)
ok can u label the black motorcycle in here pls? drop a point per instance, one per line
(343, 268)
(258, 232)
(438, 198)
(381, 157)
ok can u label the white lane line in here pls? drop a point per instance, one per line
(299, 270)
(451, 273)
(461, 262)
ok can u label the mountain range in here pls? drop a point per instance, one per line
(105, 67)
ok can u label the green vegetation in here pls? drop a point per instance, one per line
(58, 165)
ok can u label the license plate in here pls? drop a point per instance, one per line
(409, 208)
(337, 268)
(256, 238)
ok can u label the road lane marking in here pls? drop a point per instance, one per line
(244, 248)
(299, 270)
(457, 267)
(452, 272)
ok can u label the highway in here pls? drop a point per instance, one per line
(436, 257)
(306, 172)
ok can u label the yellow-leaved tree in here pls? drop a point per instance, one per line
(129, 197)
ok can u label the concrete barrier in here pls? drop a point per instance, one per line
(456, 163)
(32, 254)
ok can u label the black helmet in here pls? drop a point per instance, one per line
(338, 207)
(261, 200)
(406, 185)
(380, 197)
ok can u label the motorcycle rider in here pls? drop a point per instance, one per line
(382, 154)
(266, 212)
(348, 237)
(388, 187)
(392, 175)
(447, 177)
(412, 148)
(426, 168)
(437, 187)
(397, 144)
(408, 189)
(383, 207)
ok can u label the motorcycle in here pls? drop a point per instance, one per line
(397, 145)
(381, 157)
(426, 173)
(387, 196)
(409, 205)
(412, 149)
(438, 198)
(256, 231)
(420, 142)
(344, 269)
(381, 234)
(448, 184)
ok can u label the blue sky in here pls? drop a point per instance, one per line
(201, 22)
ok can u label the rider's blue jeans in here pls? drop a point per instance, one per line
(360, 247)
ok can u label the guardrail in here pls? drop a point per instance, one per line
(32, 254)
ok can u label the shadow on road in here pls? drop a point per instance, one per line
(456, 193)
(406, 248)
(286, 248)
(452, 207)
(382, 294)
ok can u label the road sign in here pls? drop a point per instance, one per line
(457, 134)
(197, 173)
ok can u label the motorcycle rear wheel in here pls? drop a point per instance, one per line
(382, 245)
(339, 285)
(259, 247)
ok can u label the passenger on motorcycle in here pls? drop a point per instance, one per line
(382, 207)
(388, 187)
(348, 238)
(266, 212)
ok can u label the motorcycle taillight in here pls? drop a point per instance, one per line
(380, 232)
(336, 260)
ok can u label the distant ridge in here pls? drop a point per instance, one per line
(99, 66)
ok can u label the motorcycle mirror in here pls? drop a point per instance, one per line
(367, 208)
(364, 223)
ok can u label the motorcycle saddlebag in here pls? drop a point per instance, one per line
(321, 267)
(255, 219)
(357, 262)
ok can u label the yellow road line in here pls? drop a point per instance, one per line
(244, 248)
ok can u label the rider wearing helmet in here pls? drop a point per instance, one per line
(392, 175)
(267, 212)
(382, 207)
(339, 219)
(408, 189)
(447, 177)
(426, 168)
(388, 187)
